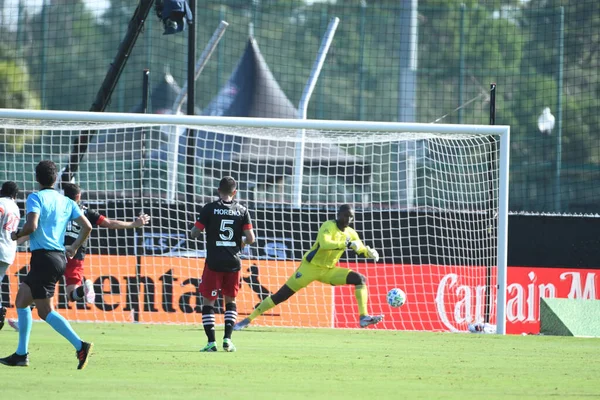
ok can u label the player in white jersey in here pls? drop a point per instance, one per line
(9, 223)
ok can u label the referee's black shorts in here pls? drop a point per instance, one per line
(45, 270)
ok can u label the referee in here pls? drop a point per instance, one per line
(48, 213)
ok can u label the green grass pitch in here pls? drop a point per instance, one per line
(163, 362)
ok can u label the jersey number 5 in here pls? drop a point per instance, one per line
(226, 230)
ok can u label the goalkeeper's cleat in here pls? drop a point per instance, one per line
(211, 347)
(2, 317)
(242, 324)
(16, 360)
(88, 289)
(366, 320)
(14, 323)
(228, 346)
(84, 354)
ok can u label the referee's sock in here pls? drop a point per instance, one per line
(62, 326)
(25, 321)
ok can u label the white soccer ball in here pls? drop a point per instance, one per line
(396, 297)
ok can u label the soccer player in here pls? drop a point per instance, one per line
(48, 213)
(225, 221)
(9, 222)
(74, 270)
(319, 264)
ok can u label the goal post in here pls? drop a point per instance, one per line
(438, 218)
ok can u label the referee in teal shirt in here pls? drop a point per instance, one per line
(48, 213)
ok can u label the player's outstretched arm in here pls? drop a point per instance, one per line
(142, 220)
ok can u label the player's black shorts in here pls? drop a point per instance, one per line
(45, 269)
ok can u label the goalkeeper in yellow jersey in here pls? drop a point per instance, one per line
(320, 264)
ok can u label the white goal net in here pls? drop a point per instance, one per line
(432, 199)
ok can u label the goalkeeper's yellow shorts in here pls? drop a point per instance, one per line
(308, 273)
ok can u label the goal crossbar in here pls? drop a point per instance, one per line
(285, 123)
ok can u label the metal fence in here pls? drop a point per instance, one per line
(388, 62)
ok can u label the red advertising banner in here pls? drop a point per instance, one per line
(527, 284)
(448, 298)
(439, 297)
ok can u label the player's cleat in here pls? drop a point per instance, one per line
(241, 325)
(14, 323)
(366, 320)
(2, 317)
(84, 354)
(228, 346)
(88, 289)
(211, 347)
(15, 360)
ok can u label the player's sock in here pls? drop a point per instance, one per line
(2, 316)
(25, 320)
(362, 298)
(208, 320)
(62, 326)
(230, 318)
(262, 308)
(77, 294)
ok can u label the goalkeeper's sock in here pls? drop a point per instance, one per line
(230, 318)
(362, 298)
(77, 294)
(208, 320)
(263, 307)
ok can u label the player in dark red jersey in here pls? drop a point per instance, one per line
(77, 288)
(228, 229)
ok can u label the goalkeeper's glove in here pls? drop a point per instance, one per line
(354, 245)
(372, 253)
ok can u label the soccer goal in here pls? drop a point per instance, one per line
(432, 199)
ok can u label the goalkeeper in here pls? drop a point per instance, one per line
(319, 264)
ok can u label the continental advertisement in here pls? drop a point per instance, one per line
(167, 292)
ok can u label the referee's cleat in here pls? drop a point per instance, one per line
(228, 346)
(241, 325)
(211, 347)
(88, 289)
(16, 360)
(84, 354)
(366, 320)
(2, 317)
